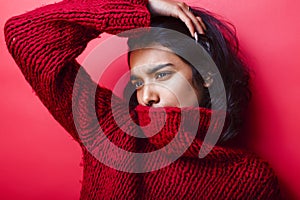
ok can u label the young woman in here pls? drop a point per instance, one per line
(169, 87)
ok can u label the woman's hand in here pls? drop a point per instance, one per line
(179, 10)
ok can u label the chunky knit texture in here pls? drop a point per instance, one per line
(45, 43)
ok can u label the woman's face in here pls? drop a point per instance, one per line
(162, 79)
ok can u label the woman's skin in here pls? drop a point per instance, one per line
(162, 79)
(178, 10)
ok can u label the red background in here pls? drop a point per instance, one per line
(40, 160)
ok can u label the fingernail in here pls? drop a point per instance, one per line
(196, 36)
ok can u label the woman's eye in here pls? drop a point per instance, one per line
(137, 84)
(162, 75)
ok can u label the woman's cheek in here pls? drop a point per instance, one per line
(173, 93)
(169, 98)
(183, 93)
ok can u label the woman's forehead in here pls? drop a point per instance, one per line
(151, 57)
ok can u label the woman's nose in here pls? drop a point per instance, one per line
(150, 95)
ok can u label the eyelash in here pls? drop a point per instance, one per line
(135, 84)
(159, 75)
(162, 73)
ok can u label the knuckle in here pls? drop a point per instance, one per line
(195, 21)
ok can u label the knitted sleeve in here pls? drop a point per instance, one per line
(46, 41)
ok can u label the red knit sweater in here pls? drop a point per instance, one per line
(45, 43)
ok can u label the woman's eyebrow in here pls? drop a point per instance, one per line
(158, 67)
(133, 77)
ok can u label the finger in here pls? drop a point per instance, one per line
(180, 13)
(196, 22)
(188, 22)
(183, 17)
(191, 21)
(202, 23)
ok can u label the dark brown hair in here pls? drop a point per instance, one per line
(221, 43)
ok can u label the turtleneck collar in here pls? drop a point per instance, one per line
(187, 130)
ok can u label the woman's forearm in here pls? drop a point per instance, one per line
(45, 42)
